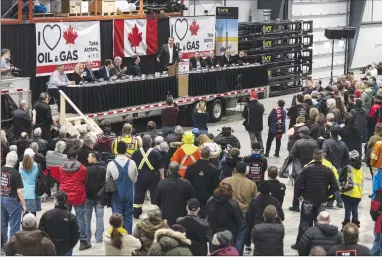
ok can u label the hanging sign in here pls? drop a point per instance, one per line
(193, 34)
(227, 30)
(67, 43)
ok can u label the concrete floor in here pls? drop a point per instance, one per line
(291, 218)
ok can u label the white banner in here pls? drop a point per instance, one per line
(193, 34)
(67, 43)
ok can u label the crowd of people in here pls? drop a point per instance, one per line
(210, 199)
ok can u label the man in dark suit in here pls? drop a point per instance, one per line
(43, 116)
(105, 72)
(227, 59)
(21, 120)
(135, 70)
(241, 58)
(88, 74)
(211, 61)
(196, 62)
(168, 54)
(117, 68)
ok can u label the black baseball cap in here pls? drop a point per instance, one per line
(193, 204)
(61, 197)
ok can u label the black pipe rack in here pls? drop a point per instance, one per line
(284, 47)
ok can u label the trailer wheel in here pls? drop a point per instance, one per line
(215, 110)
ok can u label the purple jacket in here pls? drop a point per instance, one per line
(226, 251)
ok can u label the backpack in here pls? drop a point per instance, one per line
(378, 116)
(347, 184)
(42, 184)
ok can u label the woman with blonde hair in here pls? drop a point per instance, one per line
(4, 147)
(117, 241)
(313, 113)
(29, 172)
(201, 117)
(77, 73)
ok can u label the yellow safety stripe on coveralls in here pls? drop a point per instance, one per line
(145, 159)
(137, 205)
(184, 160)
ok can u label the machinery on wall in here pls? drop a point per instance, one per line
(168, 6)
(284, 47)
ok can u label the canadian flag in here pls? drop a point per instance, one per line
(135, 37)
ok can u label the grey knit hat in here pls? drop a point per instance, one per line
(223, 238)
(29, 222)
(354, 155)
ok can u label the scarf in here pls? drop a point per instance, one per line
(120, 230)
(279, 122)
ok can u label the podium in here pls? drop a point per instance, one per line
(182, 80)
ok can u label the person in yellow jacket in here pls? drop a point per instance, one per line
(131, 141)
(351, 186)
(187, 154)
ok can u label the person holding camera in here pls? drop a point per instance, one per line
(6, 68)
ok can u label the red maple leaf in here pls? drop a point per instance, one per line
(194, 28)
(70, 35)
(135, 37)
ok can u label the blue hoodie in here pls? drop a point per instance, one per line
(377, 182)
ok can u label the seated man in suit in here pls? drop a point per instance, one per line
(241, 58)
(227, 59)
(135, 70)
(211, 61)
(196, 62)
(117, 68)
(88, 74)
(105, 72)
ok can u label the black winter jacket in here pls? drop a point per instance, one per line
(21, 122)
(268, 239)
(303, 149)
(61, 227)
(324, 235)
(223, 214)
(172, 195)
(253, 115)
(43, 114)
(96, 180)
(277, 190)
(336, 152)
(199, 232)
(313, 183)
(227, 140)
(360, 118)
(351, 138)
(256, 210)
(227, 166)
(42, 145)
(204, 178)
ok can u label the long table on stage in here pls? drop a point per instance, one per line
(98, 98)
(220, 81)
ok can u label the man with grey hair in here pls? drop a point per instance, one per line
(331, 104)
(150, 168)
(56, 157)
(22, 144)
(62, 136)
(172, 194)
(86, 148)
(302, 150)
(30, 241)
(12, 198)
(158, 140)
(198, 229)
(117, 67)
(22, 122)
(88, 74)
(42, 143)
(322, 234)
(38, 157)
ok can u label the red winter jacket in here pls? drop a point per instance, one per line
(73, 178)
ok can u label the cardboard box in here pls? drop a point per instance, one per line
(84, 6)
(56, 6)
(103, 6)
(71, 6)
